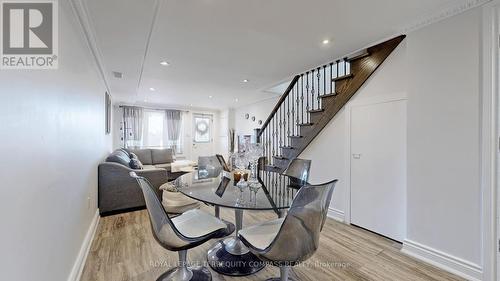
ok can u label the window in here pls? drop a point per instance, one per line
(153, 128)
(202, 128)
(159, 131)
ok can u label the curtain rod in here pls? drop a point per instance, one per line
(152, 108)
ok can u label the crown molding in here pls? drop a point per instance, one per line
(451, 9)
(81, 12)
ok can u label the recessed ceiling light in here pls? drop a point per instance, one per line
(164, 63)
(326, 41)
(210, 97)
(236, 100)
(245, 80)
(117, 74)
(152, 89)
(191, 105)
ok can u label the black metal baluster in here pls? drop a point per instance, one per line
(331, 78)
(307, 96)
(338, 65)
(345, 66)
(324, 80)
(273, 144)
(284, 125)
(312, 91)
(293, 110)
(298, 110)
(288, 118)
(302, 99)
(319, 83)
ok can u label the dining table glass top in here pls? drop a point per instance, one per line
(219, 188)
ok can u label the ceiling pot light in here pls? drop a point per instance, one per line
(326, 41)
(152, 89)
(245, 80)
(117, 74)
(165, 63)
(210, 97)
(236, 100)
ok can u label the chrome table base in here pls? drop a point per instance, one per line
(231, 257)
(199, 273)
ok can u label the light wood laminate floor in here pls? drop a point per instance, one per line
(125, 250)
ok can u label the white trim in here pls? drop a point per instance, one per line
(81, 13)
(458, 266)
(453, 8)
(76, 271)
(336, 214)
(488, 139)
(156, 11)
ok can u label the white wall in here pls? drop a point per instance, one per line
(437, 69)
(52, 135)
(260, 110)
(444, 207)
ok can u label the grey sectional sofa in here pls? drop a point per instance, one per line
(117, 191)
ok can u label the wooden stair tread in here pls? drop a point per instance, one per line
(296, 137)
(286, 147)
(306, 124)
(350, 75)
(280, 157)
(358, 56)
(316, 110)
(329, 95)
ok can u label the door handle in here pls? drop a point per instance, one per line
(356, 156)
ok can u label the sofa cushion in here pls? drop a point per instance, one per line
(148, 167)
(144, 156)
(120, 157)
(162, 156)
(164, 166)
(135, 163)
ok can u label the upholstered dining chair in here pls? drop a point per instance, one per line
(181, 233)
(287, 241)
(298, 169)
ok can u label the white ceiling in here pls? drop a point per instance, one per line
(213, 45)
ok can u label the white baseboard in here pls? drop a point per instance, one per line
(337, 215)
(455, 265)
(76, 271)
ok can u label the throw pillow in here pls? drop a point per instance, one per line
(135, 163)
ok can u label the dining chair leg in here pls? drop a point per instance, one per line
(217, 212)
(284, 274)
(284, 270)
(181, 272)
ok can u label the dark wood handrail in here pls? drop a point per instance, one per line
(278, 105)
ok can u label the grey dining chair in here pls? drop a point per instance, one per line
(181, 233)
(287, 241)
(298, 170)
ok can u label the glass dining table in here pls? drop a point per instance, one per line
(230, 256)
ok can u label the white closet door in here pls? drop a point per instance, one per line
(378, 168)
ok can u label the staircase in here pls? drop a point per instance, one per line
(312, 99)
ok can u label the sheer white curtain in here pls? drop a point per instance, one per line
(173, 124)
(154, 128)
(133, 124)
